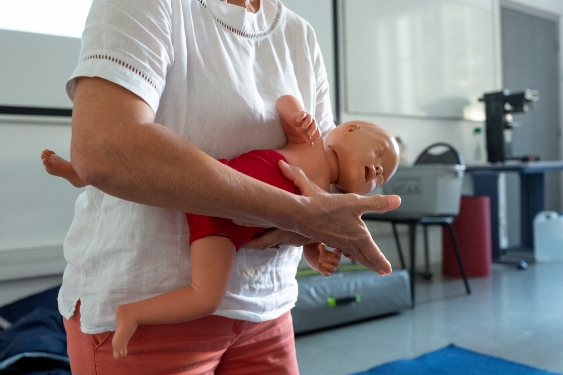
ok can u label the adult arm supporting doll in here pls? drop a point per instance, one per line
(117, 147)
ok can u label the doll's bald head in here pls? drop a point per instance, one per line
(368, 155)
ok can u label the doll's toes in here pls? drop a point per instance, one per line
(328, 269)
(333, 262)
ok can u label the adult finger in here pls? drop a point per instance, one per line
(247, 224)
(275, 238)
(299, 179)
(369, 255)
(375, 259)
(379, 203)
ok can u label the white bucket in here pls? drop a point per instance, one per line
(427, 189)
(548, 237)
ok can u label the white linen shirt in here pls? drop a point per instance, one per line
(212, 72)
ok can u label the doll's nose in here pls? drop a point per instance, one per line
(378, 170)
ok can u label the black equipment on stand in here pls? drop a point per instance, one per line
(499, 107)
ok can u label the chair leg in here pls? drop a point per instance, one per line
(412, 240)
(458, 256)
(427, 275)
(398, 243)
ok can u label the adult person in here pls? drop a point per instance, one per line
(358, 155)
(162, 88)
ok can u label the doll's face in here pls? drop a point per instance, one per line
(367, 155)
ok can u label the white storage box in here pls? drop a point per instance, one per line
(427, 189)
(548, 237)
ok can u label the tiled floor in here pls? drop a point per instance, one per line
(514, 314)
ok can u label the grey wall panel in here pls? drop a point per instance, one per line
(35, 67)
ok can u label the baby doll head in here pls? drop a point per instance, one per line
(367, 154)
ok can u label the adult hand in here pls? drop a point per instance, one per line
(275, 237)
(335, 219)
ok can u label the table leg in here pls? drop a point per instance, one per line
(412, 243)
(531, 202)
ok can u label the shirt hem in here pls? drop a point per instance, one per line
(253, 317)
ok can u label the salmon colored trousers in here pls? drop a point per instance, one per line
(210, 345)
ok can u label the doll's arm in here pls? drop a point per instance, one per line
(58, 166)
(320, 259)
(298, 124)
(211, 260)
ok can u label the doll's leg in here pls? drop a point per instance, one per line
(211, 260)
(60, 167)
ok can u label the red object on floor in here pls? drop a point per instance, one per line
(473, 231)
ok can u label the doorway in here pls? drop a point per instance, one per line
(530, 60)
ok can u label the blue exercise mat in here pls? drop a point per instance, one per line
(454, 360)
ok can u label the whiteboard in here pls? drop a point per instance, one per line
(427, 58)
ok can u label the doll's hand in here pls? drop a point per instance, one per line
(308, 128)
(329, 261)
(126, 326)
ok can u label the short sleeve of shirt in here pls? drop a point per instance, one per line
(127, 42)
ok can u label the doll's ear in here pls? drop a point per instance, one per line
(352, 127)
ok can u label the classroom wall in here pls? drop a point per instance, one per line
(36, 209)
(417, 133)
(34, 67)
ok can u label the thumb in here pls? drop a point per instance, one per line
(299, 179)
(380, 203)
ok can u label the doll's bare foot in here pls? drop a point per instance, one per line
(125, 328)
(57, 166)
